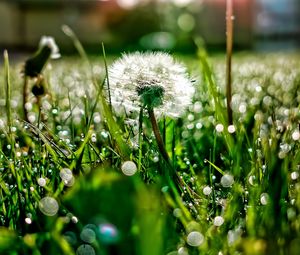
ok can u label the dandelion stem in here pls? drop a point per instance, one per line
(229, 40)
(162, 149)
(140, 140)
(158, 137)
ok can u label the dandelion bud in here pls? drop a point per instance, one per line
(47, 49)
(39, 88)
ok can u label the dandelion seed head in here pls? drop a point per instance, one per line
(50, 42)
(149, 80)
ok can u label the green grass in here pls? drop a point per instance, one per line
(145, 213)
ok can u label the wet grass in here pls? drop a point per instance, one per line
(63, 187)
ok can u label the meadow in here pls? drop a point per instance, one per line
(79, 175)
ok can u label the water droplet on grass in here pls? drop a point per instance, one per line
(264, 198)
(85, 249)
(227, 180)
(218, 221)
(195, 238)
(28, 220)
(207, 190)
(219, 128)
(294, 175)
(129, 168)
(183, 251)
(42, 182)
(88, 235)
(177, 212)
(48, 206)
(296, 135)
(231, 129)
(108, 233)
(66, 174)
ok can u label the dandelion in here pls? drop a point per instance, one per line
(47, 49)
(33, 69)
(150, 80)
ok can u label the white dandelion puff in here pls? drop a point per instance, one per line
(152, 80)
(50, 42)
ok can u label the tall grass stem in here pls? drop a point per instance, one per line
(8, 92)
(229, 42)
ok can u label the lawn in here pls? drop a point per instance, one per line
(91, 164)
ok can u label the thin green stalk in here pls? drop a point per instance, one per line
(140, 140)
(229, 40)
(8, 93)
(25, 98)
(107, 76)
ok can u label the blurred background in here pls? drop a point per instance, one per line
(172, 25)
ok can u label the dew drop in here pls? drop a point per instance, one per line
(88, 235)
(218, 221)
(294, 175)
(48, 206)
(264, 198)
(207, 190)
(231, 129)
(42, 182)
(219, 128)
(195, 238)
(296, 135)
(252, 180)
(28, 220)
(66, 174)
(183, 251)
(85, 249)
(129, 168)
(227, 180)
(177, 212)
